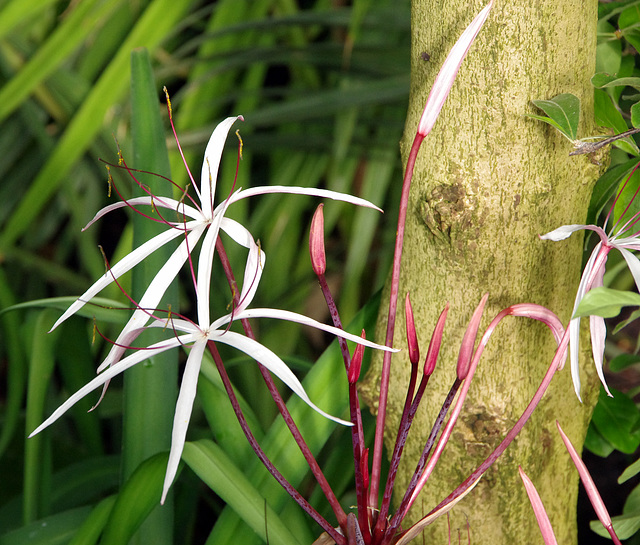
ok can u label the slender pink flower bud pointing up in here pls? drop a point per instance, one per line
(316, 242)
(449, 71)
(412, 337)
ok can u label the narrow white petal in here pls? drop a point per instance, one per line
(184, 406)
(301, 319)
(598, 334)
(574, 349)
(273, 363)
(124, 265)
(211, 162)
(567, 230)
(159, 285)
(632, 263)
(114, 370)
(323, 193)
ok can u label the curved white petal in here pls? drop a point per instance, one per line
(567, 230)
(184, 406)
(124, 265)
(598, 335)
(632, 263)
(574, 350)
(313, 192)
(114, 370)
(273, 363)
(211, 163)
(301, 319)
(162, 202)
(159, 285)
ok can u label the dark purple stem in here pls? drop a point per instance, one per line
(302, 502)
(403, 507)
(282, 407)
(391, 322)
(401, 438)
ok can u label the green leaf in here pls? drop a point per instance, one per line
(623, 361)
(629, 472)
(605, 302)
(624, 525)
(138, 497)
(229, 482)
(564, 113)
(89, 532)
(615, 418)
(99, 308)
(54, 530)
(635, 115)
(596, 443)
(607, 115)
(603, 81)
(606, 187)
(609, 49)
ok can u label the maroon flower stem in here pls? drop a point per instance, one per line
(341, 517)
(335, 318)
(402, 508)
(357, 432)
(401, 439)
(302, 502)
(391, 322)
(358, 451)
(535, 400)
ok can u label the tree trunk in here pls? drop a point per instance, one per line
(487, 182)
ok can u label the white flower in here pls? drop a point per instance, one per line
(200, 218)
(186, 333)
(592, 277)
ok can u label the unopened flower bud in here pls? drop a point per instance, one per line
(316, 242)
(412, 337)
(436, 341)
(469, 340)
(356, 363)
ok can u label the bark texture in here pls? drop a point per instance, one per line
(489, 180)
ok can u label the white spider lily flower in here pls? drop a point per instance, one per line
(592, 277)
(200, 217)
(186, 333)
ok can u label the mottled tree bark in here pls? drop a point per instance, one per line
(488, 181)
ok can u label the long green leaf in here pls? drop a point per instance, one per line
(229, 482)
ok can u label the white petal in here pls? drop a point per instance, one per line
(632, 263)
(301, 319)
(272, 362)
(162, 202)
(598, 334)
(184, 406)
(114, 370)
(574, 349)
(124, 265)
(211, 162)
(159, 285)
(324, 193)
(567, 230)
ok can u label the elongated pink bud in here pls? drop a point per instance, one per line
(316, 242)
(449, 71)
(364, 468)
(538, 509)
(469, 340)
(589, 486)
(412, 337)
(436, 341)
(356, 363)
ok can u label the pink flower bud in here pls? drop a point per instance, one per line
(316, 242)
(412, 337)
(356, 363)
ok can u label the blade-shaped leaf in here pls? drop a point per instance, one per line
(606, 302)
(564, 113)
